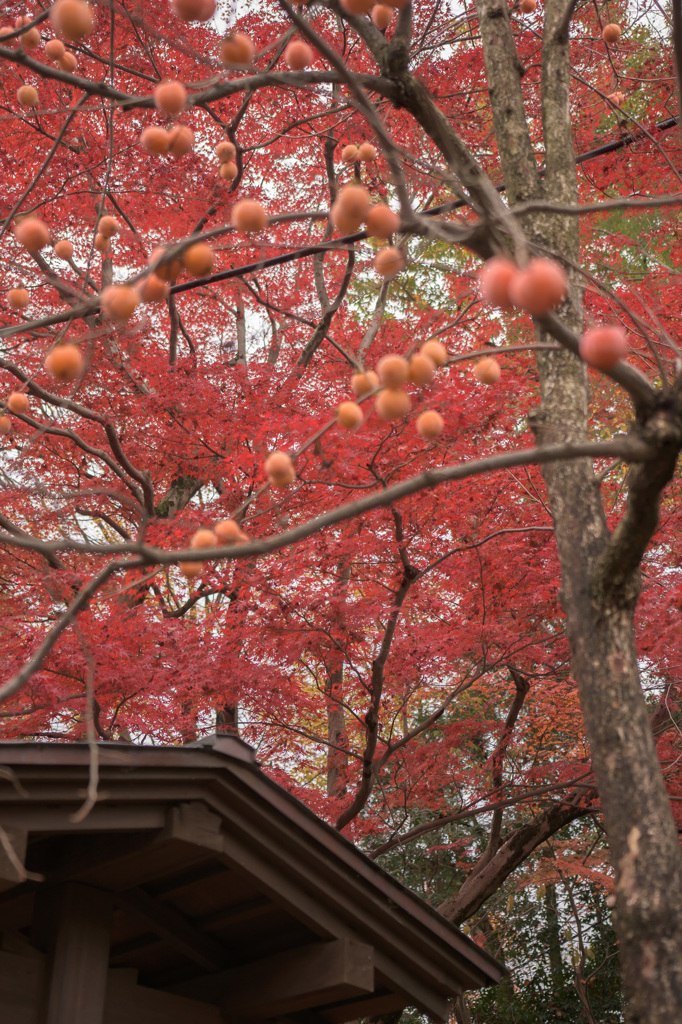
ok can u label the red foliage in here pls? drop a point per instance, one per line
(168, 428)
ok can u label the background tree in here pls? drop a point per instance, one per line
(460, 639)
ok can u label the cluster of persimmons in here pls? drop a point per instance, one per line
(537, 288)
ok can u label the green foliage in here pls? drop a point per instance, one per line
(559, 965)
(555, 938)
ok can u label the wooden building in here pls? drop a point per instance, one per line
(197, 891)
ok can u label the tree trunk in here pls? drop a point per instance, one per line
(553, 936)
(337, 760)
(227, 719)
(600, 574)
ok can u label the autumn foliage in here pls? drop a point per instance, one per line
(174, 379)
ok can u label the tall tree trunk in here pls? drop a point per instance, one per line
(600, 573)
(337, 760)
(240, 357)
(553, 936)
(227, 719)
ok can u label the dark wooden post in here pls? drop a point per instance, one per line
(79, 959)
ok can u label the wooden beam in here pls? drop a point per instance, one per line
(37, 816)
(128, 1003)
(168, 924)
(289, 982)
(237, 913)
(195, 823)
(357, 1009)
(79, 960)
(279, 876)
(323, 972)
(101, 860)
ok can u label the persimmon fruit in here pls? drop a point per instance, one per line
(345, 223)
(494, 279)
(382, 15)
(367, 153)
(32, 233)
(248, 216)
(357, 7)
(108, 226)
(5, 425)
(353, 201)
(528, 6)
(298, 55)
(180, 141)
(349, 154)
(381, 221)
(611, 33)
(389, 262)
(393, 370)
(18, 298)
(280, 469)
(170, 97)
(30, 39)
(102, 243)
(539, 287)
(119, 301)
(191, 569)
(204, 538)
(169, 269)
(63, 249)
(155, 140)
(54, 49)
(430, 424)
(194, 10)
(153, 288)
(237, 49)
(27, 96)
(64, 362)
(362, 383)
(228, 171)
(349, 415)
(422, 369)
(68, 62)
(18, 402)
(435, 350)
(392, 405)
(225, 151)
(72, 18)
(198, 259)
(228, 531)
(487, 370)
(603, 347)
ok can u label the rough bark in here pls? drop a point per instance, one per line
(516, 848)
(240, 357)
(553, 936)
(181, 491)
(227, 719)
(600, 574)
(600, 583)
(337, 760)
(522, 686)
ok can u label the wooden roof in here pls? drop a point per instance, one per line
(225, 891)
